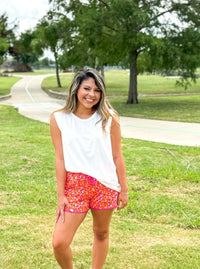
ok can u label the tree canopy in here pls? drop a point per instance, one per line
(143, 35)
(126, 31)
(6, 36)
(52, 33)
(24, 48)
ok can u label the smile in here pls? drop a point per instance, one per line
(89, 100)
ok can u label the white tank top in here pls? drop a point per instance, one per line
(86, 148)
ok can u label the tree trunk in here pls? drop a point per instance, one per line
(57, 69)
(133, 95)
(102, 71)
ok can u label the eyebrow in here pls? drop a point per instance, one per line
(90, 87)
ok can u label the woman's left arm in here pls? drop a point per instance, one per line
(119, 163)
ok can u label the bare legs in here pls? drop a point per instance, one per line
(101, 222)
(62, 238)
(64, 233)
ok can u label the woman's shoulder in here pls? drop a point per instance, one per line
(61, 114)
(61, 118)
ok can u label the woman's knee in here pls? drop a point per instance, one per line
(101, 234)
(59, 243)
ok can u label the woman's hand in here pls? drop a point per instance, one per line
(122, 199)
(62, 202)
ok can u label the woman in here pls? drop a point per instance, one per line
(90, 170)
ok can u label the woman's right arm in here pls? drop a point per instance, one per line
(60, 167)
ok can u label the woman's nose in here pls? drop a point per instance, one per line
(91, 93)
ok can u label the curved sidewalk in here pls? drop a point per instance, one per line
(176, 133)
(31, 101)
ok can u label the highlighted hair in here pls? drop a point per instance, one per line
(103, 107)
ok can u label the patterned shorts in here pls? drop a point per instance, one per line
(84, 192)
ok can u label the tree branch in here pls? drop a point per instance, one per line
(155, 17)
(170, 10)
(104, 3)
(109, 27)
(162, 13)
(104, 33)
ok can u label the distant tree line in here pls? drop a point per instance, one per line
(142, 35)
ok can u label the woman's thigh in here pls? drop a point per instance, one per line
(64, 231)
(101, 220)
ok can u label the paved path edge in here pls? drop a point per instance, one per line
(5, 97)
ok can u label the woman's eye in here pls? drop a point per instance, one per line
(86, 89)
(97, 90)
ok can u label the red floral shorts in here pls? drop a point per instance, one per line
(84, 192)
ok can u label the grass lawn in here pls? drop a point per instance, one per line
(159, 229)
(118, 82)
(173, 108)
(50, 83)
(6, 83)
(37, 72)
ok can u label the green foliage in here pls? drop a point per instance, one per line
(126, 29)
(25, 49)
(181, 53)
(141, 35)
(52, 33)
(6, 34)
(89, 45)
(3, 48)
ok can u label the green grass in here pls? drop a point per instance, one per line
(118, 82)
(6, 83)
(37, 72)
(159, 229)
(50, 83)
(174, 108)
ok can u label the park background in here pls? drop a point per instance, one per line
(160, 226)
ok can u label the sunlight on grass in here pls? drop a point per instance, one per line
(6, 83)
(179, 108)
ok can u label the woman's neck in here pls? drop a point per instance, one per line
(84, 113)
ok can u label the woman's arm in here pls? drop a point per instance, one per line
(60, 167)
(119, 163)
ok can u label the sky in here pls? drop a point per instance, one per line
(26, 13)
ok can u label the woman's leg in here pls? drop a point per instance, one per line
(101, 223)
(62, 238)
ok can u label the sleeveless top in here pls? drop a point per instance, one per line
(86, 148)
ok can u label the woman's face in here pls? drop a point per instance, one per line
(88, 94)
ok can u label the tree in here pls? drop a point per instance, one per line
(24, 48)
(89, 46)
(183, 55)
(51, 33)
(6, 35)
(134, 27)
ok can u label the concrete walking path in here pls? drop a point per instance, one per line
(32, 102)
